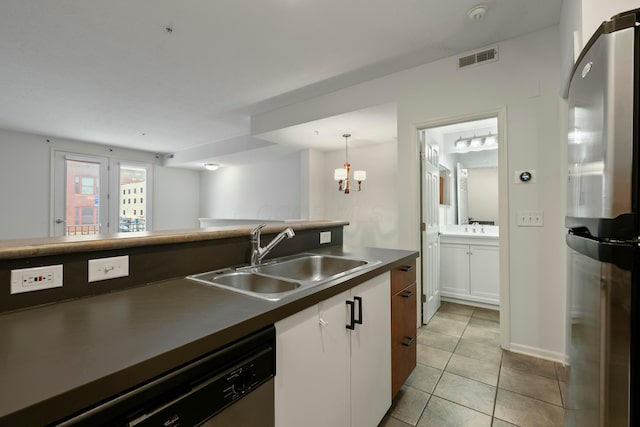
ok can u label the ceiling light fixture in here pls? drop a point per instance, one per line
(477, 12)
(211, 166)
(342, 174)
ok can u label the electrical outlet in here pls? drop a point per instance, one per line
(325, 237)
(108, 268)
(36, 278)
(530, 218)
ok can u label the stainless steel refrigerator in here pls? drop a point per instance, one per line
(602, 218)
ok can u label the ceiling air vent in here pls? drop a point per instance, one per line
(489, 55)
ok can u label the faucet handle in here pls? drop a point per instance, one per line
(256, 230)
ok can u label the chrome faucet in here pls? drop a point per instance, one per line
(257, 252)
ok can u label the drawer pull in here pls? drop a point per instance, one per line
(410, 341)
(407, 294)
(351, 325)
(407, 268)
(359, 319)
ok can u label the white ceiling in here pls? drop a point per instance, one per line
(109, 71)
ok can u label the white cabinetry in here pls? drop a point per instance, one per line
(470, 268)
(329, 375)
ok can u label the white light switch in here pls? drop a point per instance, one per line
(108, 268)
(325, 237)
(530, 218)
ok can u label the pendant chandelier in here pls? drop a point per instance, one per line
(342, 174)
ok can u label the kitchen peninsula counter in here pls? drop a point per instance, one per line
(47, 246)
(58, 359)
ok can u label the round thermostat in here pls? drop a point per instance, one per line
(525, 176)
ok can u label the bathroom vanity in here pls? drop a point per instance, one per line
(470, 264)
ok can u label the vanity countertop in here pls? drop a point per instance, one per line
(471, 231)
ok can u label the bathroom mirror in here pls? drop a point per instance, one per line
(478, 195)
(468, 166)
(446, 181)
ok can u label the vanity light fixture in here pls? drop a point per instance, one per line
(211, 166)
(342, 174)
(488, 140)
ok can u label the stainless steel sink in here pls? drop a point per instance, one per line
(270, 288)
(281, 277)
(310, 267)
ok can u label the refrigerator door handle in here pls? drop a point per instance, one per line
(621, 254)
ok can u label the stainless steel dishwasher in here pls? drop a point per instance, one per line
(230, 387)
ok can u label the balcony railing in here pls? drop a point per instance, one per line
(127, 225)
(82, 229)
(89, 229)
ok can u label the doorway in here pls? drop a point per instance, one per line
(464, 213)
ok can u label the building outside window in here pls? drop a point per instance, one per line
(133, 178)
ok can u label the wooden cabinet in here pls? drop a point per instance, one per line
(329, 375)
(403, 325)
(470, 271)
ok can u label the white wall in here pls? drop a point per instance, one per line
(371, 212)
(594, 12)
(313, 179)
(25, 183)
(176, 198)
(268, 190)
(525, 83)
(579, 19)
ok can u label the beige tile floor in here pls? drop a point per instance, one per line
(463, 378)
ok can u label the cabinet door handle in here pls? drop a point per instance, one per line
(410, 341)
(351, 325)
(407, 294)
(359, 319)
(407, 268)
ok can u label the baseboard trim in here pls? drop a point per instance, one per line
(539, 353)
(469, 302)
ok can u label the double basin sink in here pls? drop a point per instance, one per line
(282, 277)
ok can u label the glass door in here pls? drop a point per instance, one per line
(80, 195)
(134, 198)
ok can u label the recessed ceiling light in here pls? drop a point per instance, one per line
(211, 166)
(477, 12)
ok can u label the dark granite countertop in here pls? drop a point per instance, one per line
(61, 358)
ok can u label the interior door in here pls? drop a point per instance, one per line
(80, 195)
(430, 193)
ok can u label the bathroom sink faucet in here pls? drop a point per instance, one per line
(257, 252)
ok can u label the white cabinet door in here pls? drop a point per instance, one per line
(371, 353)
(454, 268)
(485, 271)
(312, 366)
(328, 375)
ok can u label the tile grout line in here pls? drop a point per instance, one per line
(495, 399)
